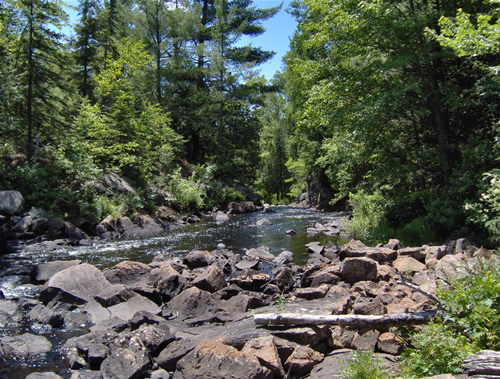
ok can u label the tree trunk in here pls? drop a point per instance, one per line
(344, 320)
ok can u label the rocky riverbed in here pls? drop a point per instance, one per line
(193, 317)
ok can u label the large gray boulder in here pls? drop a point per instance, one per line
(75, 285)
(23, 346)
(11, 202)
(44, 271)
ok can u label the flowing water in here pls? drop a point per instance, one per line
(237, 234)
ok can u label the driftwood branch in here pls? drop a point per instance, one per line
(418, 289)
(344, 320)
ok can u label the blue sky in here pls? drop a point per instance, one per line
(279, 30)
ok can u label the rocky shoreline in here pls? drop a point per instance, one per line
(37, 230)
(194, 317)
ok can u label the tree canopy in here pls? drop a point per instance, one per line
(388, 108)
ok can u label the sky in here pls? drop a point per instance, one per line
(279, 31)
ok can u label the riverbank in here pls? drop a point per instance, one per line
(178, 317)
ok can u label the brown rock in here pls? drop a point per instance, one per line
(253, 282)
(210, 280)
(409, 265)
(267, 353)
(192, 302)
(198, 258)
(312, 292)
(302, 360)
(366, 341)
(211, 359)
(357, 269)
(341, 338)
(369, 307)
(387, 343)
(417, 253)
(168, 280)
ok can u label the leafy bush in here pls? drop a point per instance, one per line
(368, 222)
(364, 366)
(486, 211)
(469, 322)
(105, 206)
(188, 194)
(435, 350)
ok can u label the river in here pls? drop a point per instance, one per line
(237, 234)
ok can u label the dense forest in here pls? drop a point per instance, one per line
(386, 107)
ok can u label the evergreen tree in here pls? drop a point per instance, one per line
(38, 66)
(86, 45)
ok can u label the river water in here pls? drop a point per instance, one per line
(237, 234)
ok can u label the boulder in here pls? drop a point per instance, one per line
(129, 308)
(126, 363)
(75, 285)
(119, 184)
(357, 269)
(174, 352)
(221, 217)
(160, 374)
(44, 271)
(9, 312)
(302, 360)
(263, 222)
(387, 343)
(128, 273)
(154, 338)
(247, 263)
(312, 292)
(96, 354)
(315, 247)
(114, 294)
(407, 264)
(45, 316)
(283, 258)
(198, 258)
(211, 359)
(23, 225)
(23, 346)
(168, 281)
(43, 375)
(262, 252)
(267, 353)
(366, 341)
(192, 302)
(210, 280)
(74, 233)
(255, 282)
(11, 202)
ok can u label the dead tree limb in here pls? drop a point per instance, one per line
(418, 289)
(345, 320)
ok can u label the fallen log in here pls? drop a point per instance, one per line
(485, 364)
(364, 321)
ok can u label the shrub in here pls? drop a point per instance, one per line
(468, 322)
(364, 366)
(188, 194)
(369, 222)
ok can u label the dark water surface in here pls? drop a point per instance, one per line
(237, 234)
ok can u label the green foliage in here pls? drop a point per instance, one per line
(469, 321)
(486, 211)
(188, 194)
(220, 195)
(103, 206)
(434, 351)
(364, 366)
(368, 222)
